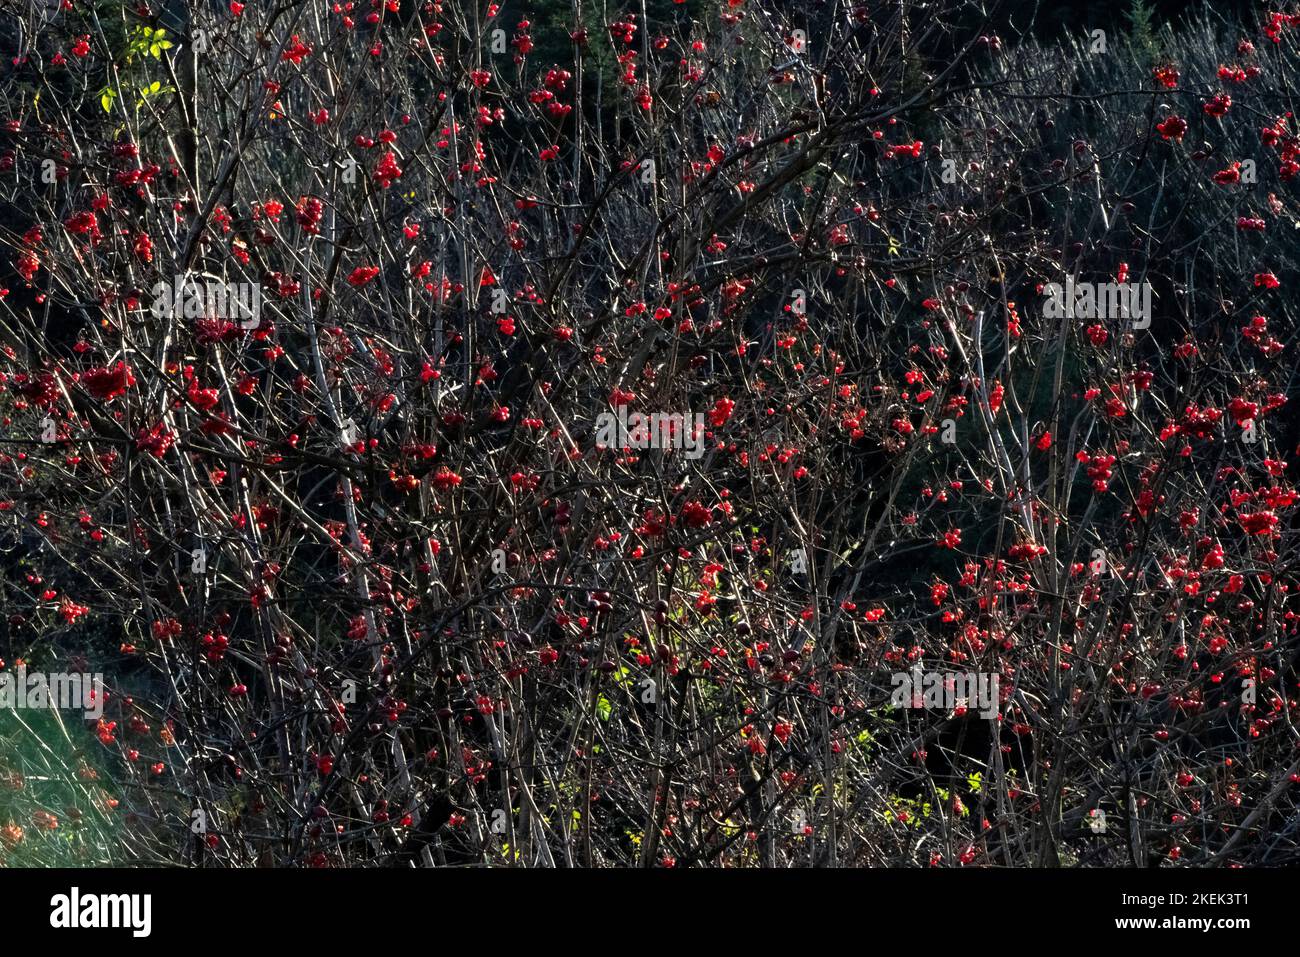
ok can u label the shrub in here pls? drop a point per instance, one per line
(320, 321)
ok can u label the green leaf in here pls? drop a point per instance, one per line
(106, 99)
(603, 708)
(975, 781)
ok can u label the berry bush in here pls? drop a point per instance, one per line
(368, 581)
